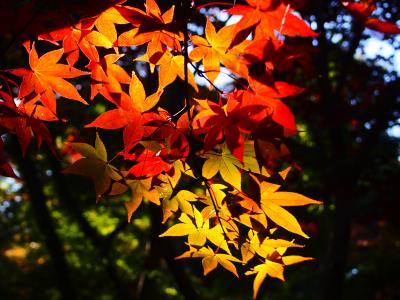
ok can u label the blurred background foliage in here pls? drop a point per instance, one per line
(67, 247)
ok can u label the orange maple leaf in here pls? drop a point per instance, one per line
(154, 28)
(106, 20)
(216, 49)
(107, 77)
(46, 77)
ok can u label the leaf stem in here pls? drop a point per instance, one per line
(280, 35)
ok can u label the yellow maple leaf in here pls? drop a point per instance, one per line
(198, 231)
(270, 268)
(272, 203)
(224, 163)
(215, 49)
(211, 259)
(141, 189)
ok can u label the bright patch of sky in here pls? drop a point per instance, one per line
(376, 47)
(394, 131)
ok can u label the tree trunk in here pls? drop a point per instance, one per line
(45, 224)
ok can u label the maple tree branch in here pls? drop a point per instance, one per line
(185, 9)
(201, 74)
(213, 200)
(227, 220)
(235, 79)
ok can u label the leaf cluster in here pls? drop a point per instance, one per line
(236, 213)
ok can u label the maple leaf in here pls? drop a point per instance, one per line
(136, 102)
(294, 259)
(198, 231)
(279, 89)
(26, 121)
(107, 76)
(128, 114)
(94, 165)
(141, 189)
(81, 36)
(46, 77)
(211, 259)
(172, 202)
(148, 163)
(229, 122)
(170, 67)
(106, 20)
(362, 12)
(266, 55)
(139, 99)
(222, 160)
(265, 248)
(270, 19)
(279, 111)
(270, 268)
(5, 167)
(224, 163)
(272, 203)
(154, 29)
(272, 250)
(215, 49)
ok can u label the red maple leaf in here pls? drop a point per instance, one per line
(268, 18)
(362, 11)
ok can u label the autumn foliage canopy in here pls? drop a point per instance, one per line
(215, 166)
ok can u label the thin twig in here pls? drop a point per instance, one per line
(215, 4)
(213, 200)
(183, 109)
(184, 4)
(201, 74)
